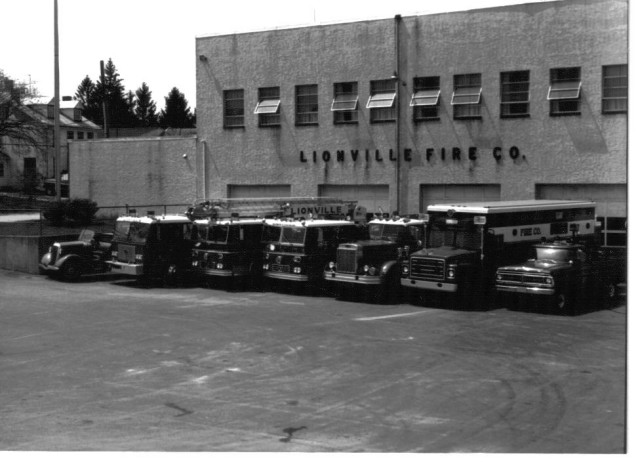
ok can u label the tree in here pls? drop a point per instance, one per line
(15, 123)
(145, 110)
(87, 95)
(176, 113)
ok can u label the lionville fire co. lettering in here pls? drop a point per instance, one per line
(454, 154)
(303, 210)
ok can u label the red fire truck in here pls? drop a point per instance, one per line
(467, 242)
(298, 246)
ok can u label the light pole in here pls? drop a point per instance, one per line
(56, 103)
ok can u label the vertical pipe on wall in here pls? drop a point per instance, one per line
(205, 192)
(398, 79)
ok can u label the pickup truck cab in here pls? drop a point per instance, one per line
(563, 273)
(71, 259)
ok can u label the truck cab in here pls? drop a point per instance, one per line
(371, 266)
(71, 259)
(561, 273)
(152, 247)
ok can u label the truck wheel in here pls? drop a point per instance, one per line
(610, 292)
(71, 271)
(562, 303)
(170, 275)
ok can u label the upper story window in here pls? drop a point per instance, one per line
(564, 91)
(77, 114)
(345, 103)
(268, 107)
(80, 135)
(467, 91)
(69, 135)
(89, 135)
(50, 111)
(514, 94)
(1, 169)
(425, 98)
(615, 89)
(307, 105)
(233, 109)
(382, 100)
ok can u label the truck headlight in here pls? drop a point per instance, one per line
(372, 270)
(297, 259)
(297, 270)
(265, 266)
(549, 281)
(451, 272)
(272, 247)
(499, 277)
(194, 263)
(405, 269)
(114, 253)
(219, 266)
(139, 258)
(332, 266)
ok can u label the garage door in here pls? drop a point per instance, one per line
(371, 196)
(442, 193)
(269, 190)
(611, 208)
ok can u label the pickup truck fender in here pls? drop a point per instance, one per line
(387, 268)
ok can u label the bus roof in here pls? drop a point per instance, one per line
(313, 223)
(229, 221)
(155, 219)
(490, 207)
(398, 221)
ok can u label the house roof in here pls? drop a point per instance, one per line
(38, 110)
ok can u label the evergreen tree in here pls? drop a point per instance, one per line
(86, 94)
(112, 92)
(145, 110)
(176, 113)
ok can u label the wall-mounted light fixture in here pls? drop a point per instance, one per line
(203, 58)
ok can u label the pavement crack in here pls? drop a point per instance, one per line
(178, 408)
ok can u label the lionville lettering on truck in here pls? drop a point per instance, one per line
(152, 246)
(371, 267)
(467, 242)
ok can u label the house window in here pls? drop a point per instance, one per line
(268, 107)
(564, 91)
(514, 94)
(50, 111)
(382, 100)
(307, 105)
(89, 135)
(4, 110)
(615, 89)
(1, 169)
(345, 103)
(467, 91)
(233, 109)
(425, 99)
(70, 135)
(80, 135)
(77, 114)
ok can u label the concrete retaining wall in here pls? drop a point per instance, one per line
(23, 253)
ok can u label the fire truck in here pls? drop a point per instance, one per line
(467, 242)
(228, 237)
(152, 246)
(299, 245)
(371, 266)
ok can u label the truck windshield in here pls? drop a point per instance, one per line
(463, 237)
(131, 231)
(384, 231)
(293, 235)
(271, 234)
(218, 234)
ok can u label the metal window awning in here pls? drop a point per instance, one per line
(564, 90)
(381, 100)
(267, 106)
(344, 103)
(425, 98)
(469, 95)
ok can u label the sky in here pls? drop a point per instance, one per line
(153, 41)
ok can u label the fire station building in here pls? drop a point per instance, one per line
(515, 102)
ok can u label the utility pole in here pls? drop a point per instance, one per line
(105, 125)
(56, 102)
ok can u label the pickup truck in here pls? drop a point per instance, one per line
(563, 274)
(71, 259)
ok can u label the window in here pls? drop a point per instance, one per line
(514, 94)
(345, 103)
(70, 135)
(1, 169)
(50, 111)
(4, 110)
(307, 105)
(77, 114)
(425, 98)
(268, 107)
(89, 135)
(80, 135)
(382, 101)
(564, 91)
(615, 89)
(233, 109)
(467, 90)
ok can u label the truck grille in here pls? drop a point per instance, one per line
(427, 268)
(280, 268)
(523, 278)
(346, 260)
(126, 253)
(54, 253)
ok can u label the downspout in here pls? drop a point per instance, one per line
(205, 194)
(398, 18)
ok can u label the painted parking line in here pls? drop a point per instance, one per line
(401, 315)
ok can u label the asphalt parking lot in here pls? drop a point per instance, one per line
(107, 365)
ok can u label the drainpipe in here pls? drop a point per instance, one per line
(398, 79)
(205, 193)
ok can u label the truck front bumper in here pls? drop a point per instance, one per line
(126, 268)
(363, 279)
(286, 276)
(526, 290)
(48, 269)
(437, 286)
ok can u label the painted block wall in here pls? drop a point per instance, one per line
(590, 148)
(144, 171)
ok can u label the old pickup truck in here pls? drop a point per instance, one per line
(563, 274)
(71, 259)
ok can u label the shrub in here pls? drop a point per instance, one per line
(56, 213)
(79, 211)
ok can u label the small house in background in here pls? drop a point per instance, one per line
(24, 167)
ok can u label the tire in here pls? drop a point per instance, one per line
(562, 303)
(170, 275)
(610, 293)
(71, 271)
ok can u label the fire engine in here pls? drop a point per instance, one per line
(299, 245)
(152, 246)
(372, 264)
(467, 242)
